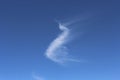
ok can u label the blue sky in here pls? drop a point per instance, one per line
(27, 27)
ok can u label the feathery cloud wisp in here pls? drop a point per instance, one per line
(35, 77)
(57, 51)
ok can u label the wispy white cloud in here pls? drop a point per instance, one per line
(35, 77)
(57, 51)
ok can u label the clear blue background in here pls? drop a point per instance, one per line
(28, 26)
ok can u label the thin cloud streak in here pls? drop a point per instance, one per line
(57, 51)
(35, 77)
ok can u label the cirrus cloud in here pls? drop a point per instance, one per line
(57, 51)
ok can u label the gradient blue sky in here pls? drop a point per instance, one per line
(28, 26)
